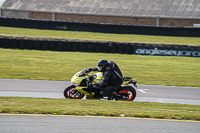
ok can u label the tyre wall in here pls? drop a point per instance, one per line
(96, 27)
(101, 47)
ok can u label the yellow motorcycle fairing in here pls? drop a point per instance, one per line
(76, 79)
(99, 77)
(80, 89)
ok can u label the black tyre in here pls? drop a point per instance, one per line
(130, 91)
(71, 93)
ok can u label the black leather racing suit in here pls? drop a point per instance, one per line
(109, 82)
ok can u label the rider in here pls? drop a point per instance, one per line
(112, 77)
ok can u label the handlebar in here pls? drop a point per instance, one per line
(84, 70)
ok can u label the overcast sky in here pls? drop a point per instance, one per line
(1, 2)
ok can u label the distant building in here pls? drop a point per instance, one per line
(133, 12)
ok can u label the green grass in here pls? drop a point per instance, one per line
(48, 65)
(35, 33)
(99, 108)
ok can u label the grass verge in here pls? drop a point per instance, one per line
(99, 108)
(48, 65)
(75, 35)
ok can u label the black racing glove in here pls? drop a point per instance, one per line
(90, 85)
(89, 70)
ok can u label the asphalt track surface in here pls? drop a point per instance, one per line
(76, 124)
(54, 89)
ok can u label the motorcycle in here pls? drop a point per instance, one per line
(80, 87)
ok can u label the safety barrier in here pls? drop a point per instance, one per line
(103, 47)
(96, 27)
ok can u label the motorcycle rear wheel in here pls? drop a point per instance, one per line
(130, 91)
(71, 93)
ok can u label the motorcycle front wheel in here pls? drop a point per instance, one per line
(71, 93)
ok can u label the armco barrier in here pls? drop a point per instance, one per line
(103, 47)
(96, 27)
